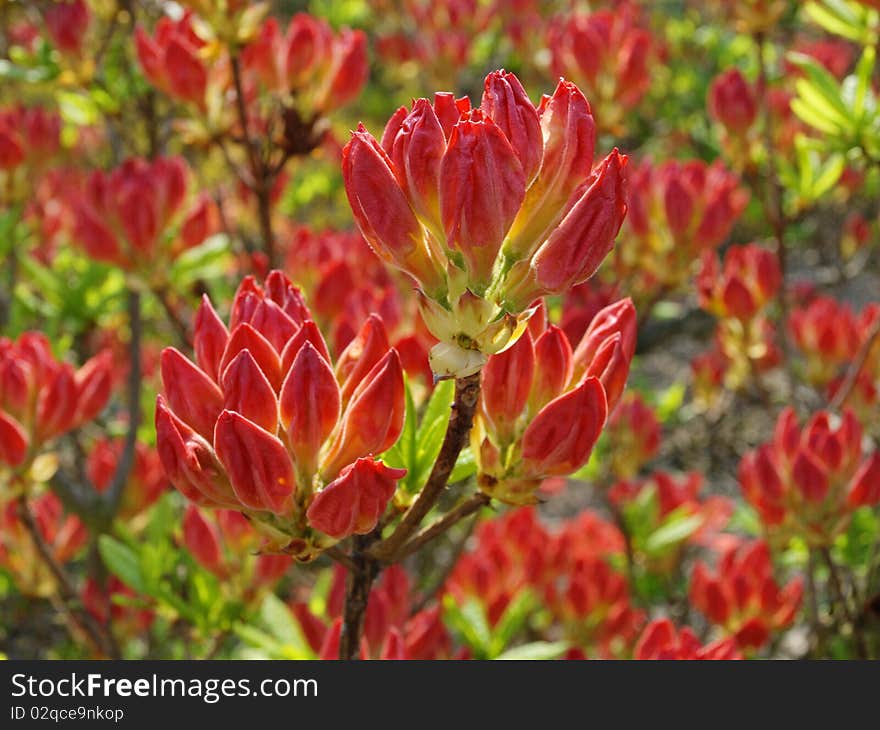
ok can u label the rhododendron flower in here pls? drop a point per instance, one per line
(117, 604)
(133, 216)
(42, 398)
(732, 102)
(805, 482)
(482, 253)
(263, 423)
(609, 54)
(661, 640)
(29, 136)
(748, 280)
(743, 597)
(67, 22)
(171, 59)
(676, 211)
(543, 406)
(323, 70)
(830, 333)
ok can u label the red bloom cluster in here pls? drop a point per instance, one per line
(661, 640)
(323, 69)
(567, 570)
(171, 59)
(743, 597)
(264, 423)
(481, 254)
(130, 217)
(28, 136)
(676, 211)
(67, 22)
(543, 406)
(42, 398)
(608, 53)
(830, 333)
(805, 482)
(742, 287)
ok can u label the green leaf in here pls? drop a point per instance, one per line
(77, 109)
(672, 532)
(511, 622)
(277, 618)
(536, 651)
(465, 467)
(123, 562)
(469, 621)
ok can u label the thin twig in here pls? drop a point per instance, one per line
(461, 418)
(855, 367)
(437, 584)
(335, 553)
(113, 495)
(837, 587)
(450, 519)
(82, 621)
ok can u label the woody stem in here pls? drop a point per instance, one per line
(461, 418)
(80, 621)
(369, 554)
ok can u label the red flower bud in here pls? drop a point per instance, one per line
(13, 441)
(353, 502)
(245, 337)
(310, 406)
(618, 317)
(259, 467)
(192, 395)
(506, 102)
(732, 102)
(94, 381)
(482, 186)
(585, 236)
(417, 150)
(209, 339)
(189, 461)
(560, 438)
(202, 540)
(247, 391)
(383, 212)
(373, 419)
(553, 367)
(569, 139)
(507, 380)
(363, 352)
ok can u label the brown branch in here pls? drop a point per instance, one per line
(81, 621)
(260, 173)
(461, 418)
(855, 368)
(357, 595)
(837, 587)
(336, 553)
(450, 519)
(113, 496)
